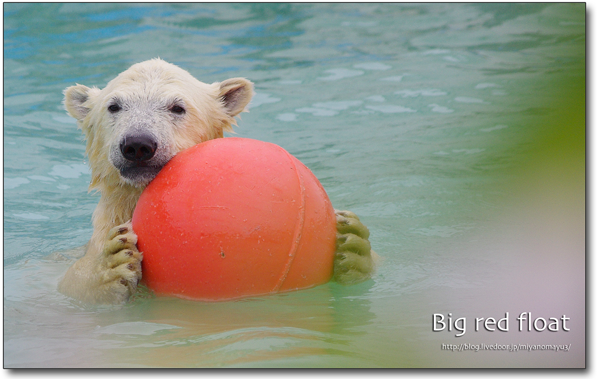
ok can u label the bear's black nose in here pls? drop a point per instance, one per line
(138, 148)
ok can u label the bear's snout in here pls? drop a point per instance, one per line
(139, 157)
(138, 148)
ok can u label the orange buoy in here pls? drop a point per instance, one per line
(231, 218)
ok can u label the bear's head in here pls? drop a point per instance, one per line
(148, 114)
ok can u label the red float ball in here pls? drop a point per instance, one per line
(234, 217)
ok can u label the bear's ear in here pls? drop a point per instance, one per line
(235, 94)
(75, 98)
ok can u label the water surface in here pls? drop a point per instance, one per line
(455, 131)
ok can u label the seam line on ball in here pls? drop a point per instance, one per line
(299, 225)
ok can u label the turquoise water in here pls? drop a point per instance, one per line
(455, 131)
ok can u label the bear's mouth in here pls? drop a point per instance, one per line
(139, 174)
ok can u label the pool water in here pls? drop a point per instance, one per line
(455, 131)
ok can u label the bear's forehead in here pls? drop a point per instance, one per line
(147, 90)
(146, 83)
(159, 83)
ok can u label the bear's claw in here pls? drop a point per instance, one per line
(354, 259)
(122, 261)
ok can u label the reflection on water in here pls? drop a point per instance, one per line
(446, 127)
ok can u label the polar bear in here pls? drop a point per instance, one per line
(133, 127)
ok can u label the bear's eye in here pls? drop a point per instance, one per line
(177, 109)
(114, 108)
